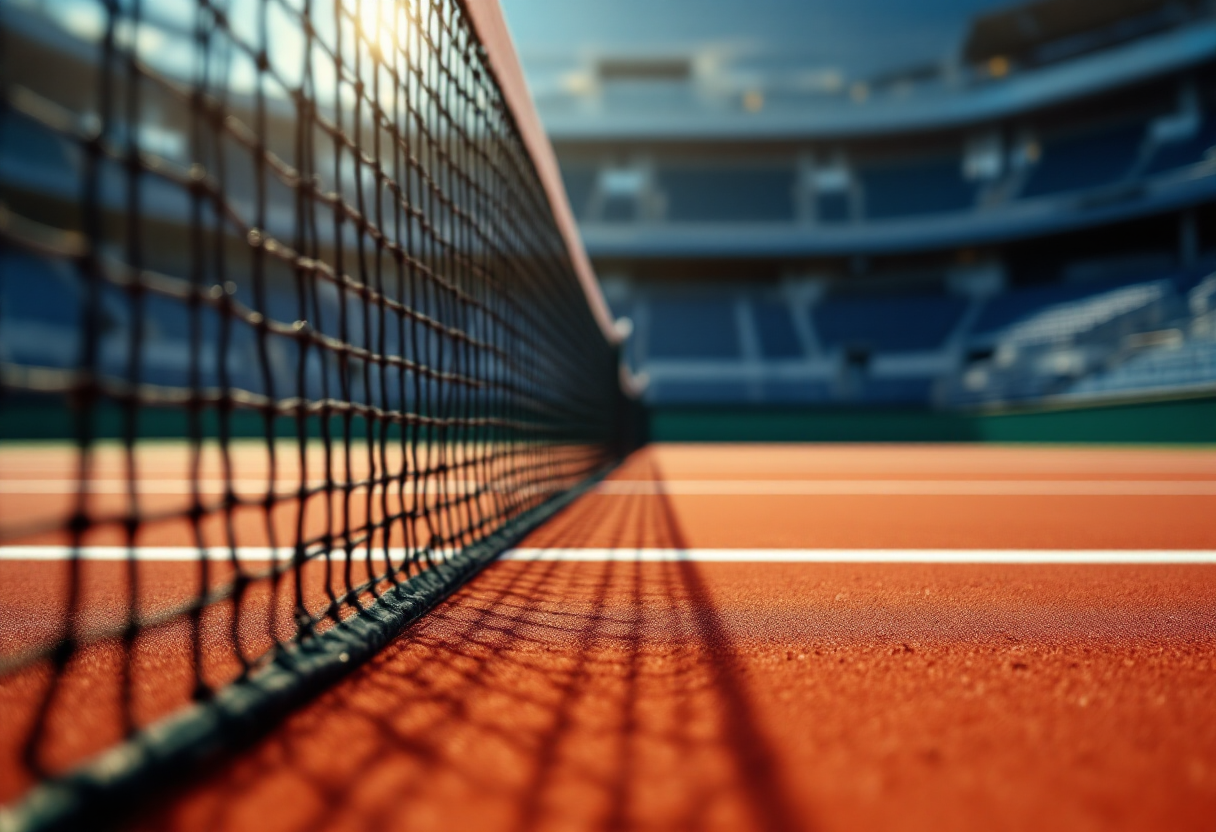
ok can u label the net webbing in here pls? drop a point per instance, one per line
(306, 239)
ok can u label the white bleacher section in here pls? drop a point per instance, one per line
(1178, 368)
(1068, 321)
(1146, 338)
(1184, 363)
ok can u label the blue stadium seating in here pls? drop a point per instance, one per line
(696, 391)
(34, 289)
(897, 390)
(693, 328)
(1185, 152)
(619, 209)
(1093, 318)
(31, 153)
(833, 207)
(580, 183)
(41, 306)
(1085, 160)
(1010, 307)
(1193, 275)
(723, 194)
(795, 392)
(917, 322)
(775, 328)
(928, 186)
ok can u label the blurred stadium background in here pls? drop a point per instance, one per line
(847, 220)
(333, 230)
(860, 219)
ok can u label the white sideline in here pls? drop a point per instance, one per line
(185, 554)
(285, 487)
(1066, 556)
(740, 488)
(624, 555)
(1096, 488)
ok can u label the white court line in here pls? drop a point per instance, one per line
(741, 488)
(1014, 556)
(285, 487)
(184, 554)
(1079, 556)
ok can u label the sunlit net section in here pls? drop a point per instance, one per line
(283, 277)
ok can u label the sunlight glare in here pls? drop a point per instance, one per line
(384, 24)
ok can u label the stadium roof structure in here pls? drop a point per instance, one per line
(1022, 31)
(986, 64)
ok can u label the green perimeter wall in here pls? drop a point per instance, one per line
(1178, 421)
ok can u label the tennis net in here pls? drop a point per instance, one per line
(318, 250)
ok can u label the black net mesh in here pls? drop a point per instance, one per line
(302, 243)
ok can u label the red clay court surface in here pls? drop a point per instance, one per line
(735, 637)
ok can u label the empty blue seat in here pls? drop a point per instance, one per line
(713, 194)
(775, 327)
(910, 391)
(37, 289)
(693, 328)
(922, 186)
(1077, 161)
(1186, 152)
(36, 156)
(580, 183)
(795, 392)
(833, 207)
(917, 322)
(697, 391)
(619, 209)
